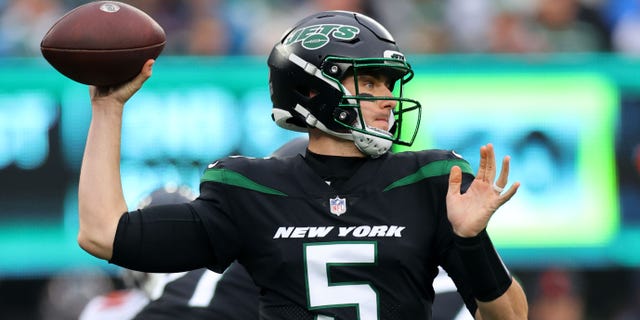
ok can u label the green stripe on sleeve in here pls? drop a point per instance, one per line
(433, 169)
(235, 179)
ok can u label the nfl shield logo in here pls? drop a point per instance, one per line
(338, 205)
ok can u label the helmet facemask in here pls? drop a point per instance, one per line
(373, 141)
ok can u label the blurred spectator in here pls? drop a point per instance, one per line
(174, 16)
(557, 297)
(208, 34)
(496, 26)
(267, 20)
(418, 25)
(569, 26)
(624, 17)
(250, 27)
(23, 24)
(509, 33)
(468, 23)
(625, 34)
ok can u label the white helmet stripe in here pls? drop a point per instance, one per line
(311, 69)
(312, 121)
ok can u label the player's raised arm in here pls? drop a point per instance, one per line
(100, 197)
(497, 294)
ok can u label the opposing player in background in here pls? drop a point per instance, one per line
(346, 231)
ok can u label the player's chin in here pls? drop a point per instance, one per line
(380, 124)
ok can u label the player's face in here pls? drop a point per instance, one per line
(376, 113)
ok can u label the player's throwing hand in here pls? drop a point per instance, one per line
(122, 93)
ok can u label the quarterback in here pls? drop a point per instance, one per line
(346, 231)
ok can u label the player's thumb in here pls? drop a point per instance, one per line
(455, 180)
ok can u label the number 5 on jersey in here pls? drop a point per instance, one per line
(322, 293)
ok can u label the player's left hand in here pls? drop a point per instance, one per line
(469, 213)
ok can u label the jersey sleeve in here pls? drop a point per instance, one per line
(180, 237)
(165, 238)
(219, 223)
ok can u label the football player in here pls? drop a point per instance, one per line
(346, 231)
(204, 294)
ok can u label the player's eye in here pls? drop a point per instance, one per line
(368, 84)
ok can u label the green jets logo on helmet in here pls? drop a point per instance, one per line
(317, 36)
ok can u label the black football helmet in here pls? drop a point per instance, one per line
(311, 59)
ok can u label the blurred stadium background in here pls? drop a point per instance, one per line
(559, 78)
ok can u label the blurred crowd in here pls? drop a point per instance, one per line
(250, 27)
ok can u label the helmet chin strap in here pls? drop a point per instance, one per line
(370, 144)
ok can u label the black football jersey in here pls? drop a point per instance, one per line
(366, 248)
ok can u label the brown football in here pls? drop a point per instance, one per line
(103, 43)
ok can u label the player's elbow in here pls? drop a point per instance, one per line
(96, 233)
(97, 228)
(100, 248)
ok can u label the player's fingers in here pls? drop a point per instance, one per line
(504, 173)
(455, 180)
(509, 193)
(482, 168)
(490, 175)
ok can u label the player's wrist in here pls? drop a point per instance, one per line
(487, 274)
(107, 108)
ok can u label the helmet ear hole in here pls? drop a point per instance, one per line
(346, 116)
